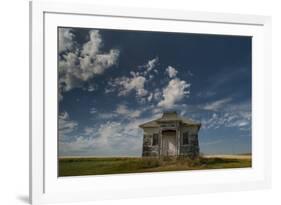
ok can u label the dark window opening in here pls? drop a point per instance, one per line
(185, 139)
(155, 139)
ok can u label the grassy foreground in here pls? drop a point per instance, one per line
(118, 165)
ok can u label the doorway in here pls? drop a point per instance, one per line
(169, 145)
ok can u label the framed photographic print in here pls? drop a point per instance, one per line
(129, 102)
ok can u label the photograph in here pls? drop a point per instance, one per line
(134, 101)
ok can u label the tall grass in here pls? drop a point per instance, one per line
(118, 165)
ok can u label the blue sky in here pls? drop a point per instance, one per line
(110, 81)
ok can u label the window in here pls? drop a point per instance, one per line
(185, 139)
(155, 139)
(147, 140)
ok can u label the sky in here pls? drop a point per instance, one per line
(111, 81)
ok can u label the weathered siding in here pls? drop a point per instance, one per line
(192, 148)
(148, 150)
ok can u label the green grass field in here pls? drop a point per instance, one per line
(118, 165)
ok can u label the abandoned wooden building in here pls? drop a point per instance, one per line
(170, 135)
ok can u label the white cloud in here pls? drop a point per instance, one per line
(241, 123)
(150, 65)
(88, 131)
(172, 72)
(92, 47)
(82, 63)
(128, 84)
(80, 143)
(90, 86)
(149, 98)
(213, 142)
(124, 111)
(107, 116)
(216, 105)
(108, 139)
(66, 126)
(101, 137)
(65, 39)
(229, 115)
(135, 82)
(108, 133)
(121, 111)
(239, 119)
(214, 121)
(93, 110)
(226, 119)
(175, 91)
(157, 94)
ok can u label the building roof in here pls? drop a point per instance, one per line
(169, 117)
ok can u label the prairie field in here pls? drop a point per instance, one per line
(76, 166)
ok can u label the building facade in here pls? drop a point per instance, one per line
(170, 135)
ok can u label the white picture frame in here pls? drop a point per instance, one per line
(46, 187)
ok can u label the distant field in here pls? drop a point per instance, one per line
(117, 165)
(241, 156)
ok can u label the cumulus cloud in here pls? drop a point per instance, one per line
(172, 72)
(93, 138)
(92, 47)
(175, 91)
(154, 95)
(80, 143)
(127, 84)
(65, 39)
(108, 133)
(150, 65)
(108, 139)
(80, 64)
(111, 138)
(121, 136)
(135, 82)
